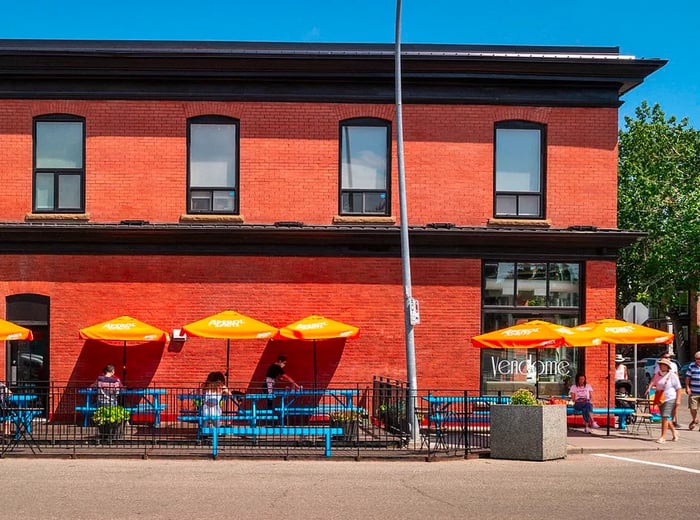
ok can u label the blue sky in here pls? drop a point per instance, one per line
(644, 28)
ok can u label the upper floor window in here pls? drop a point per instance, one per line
(59, 159)
(365, 151)
(519, 166)
(212, 143)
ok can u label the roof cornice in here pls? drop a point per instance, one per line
(554, 76)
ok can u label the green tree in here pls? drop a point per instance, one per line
(659, 193)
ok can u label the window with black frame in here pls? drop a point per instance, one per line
(59, 159)
(213, 164)
(519, 169)
(365, 151)
(515, 292)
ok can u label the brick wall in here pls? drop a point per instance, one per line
(136, 159)
(168, 292)
(600, 303)
(136, 164)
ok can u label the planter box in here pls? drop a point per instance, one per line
(528, 432)
(111, 432)
(349, 429)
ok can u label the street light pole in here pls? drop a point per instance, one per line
(409, 304)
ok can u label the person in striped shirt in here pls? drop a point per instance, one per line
(692, 388)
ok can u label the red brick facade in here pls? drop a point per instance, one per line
(169, 292)
(289, 159)
(136, 161)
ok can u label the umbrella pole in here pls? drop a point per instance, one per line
(608, 380)
(315, 369)
(228, 358)
(537, 374)
(124, 363)
(636, 388)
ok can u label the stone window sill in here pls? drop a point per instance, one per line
(356, 219)
(83, 217)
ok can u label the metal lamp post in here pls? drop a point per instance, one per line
(410, 305)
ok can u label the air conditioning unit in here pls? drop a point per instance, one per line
(179, 335)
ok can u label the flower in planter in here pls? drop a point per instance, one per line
(343, 415)
(523, 397)
(110, 415)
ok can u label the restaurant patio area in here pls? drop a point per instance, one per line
(353, 421)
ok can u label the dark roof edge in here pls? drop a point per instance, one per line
(260, 240)
(200, 46)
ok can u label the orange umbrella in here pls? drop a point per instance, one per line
(618, 331)
(535, 334)
(124, 328)
(613, 331)
(315, 327)
(11, 332)
(531, 334)
(230, 325)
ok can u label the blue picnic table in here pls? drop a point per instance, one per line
(149, 402)
(21, 411)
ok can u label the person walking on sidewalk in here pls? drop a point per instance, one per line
(674, 369)
(668, 384)
(692, 388)
(582, 394)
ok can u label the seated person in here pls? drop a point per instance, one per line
(581, 394)
(213, 391)
(108, 386)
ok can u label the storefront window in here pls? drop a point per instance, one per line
(514, 292)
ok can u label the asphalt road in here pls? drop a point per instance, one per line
(614, 486)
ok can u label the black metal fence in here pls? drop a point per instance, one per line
(361, 420)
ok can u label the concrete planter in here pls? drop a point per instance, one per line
(528, 432)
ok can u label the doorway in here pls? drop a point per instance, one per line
(28, 362)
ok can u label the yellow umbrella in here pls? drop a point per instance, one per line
(316, 327)
(618, 331)
(230, 325)
(11, 332)
(535, 334)
(124, 328)
(531, 334)
(612, 331)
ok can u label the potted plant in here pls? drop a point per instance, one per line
(393, 416)
(347, 420)
(524, 429)
(110, 421)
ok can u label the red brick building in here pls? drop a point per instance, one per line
(170, 181)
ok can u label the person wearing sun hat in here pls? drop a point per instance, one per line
(620, 368)
(674, 368)
(668, 383)
(692, 388)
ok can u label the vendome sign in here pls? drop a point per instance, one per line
(530, 366)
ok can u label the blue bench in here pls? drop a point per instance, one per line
(227, 418)
(139, 409)
(255, 431)
(152, 406)
(322, 409)
(621, 413)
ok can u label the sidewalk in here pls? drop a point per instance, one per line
(623, 440)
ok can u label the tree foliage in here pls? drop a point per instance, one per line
(659, 193)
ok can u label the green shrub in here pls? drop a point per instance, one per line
(110, 415)
(523, 397)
